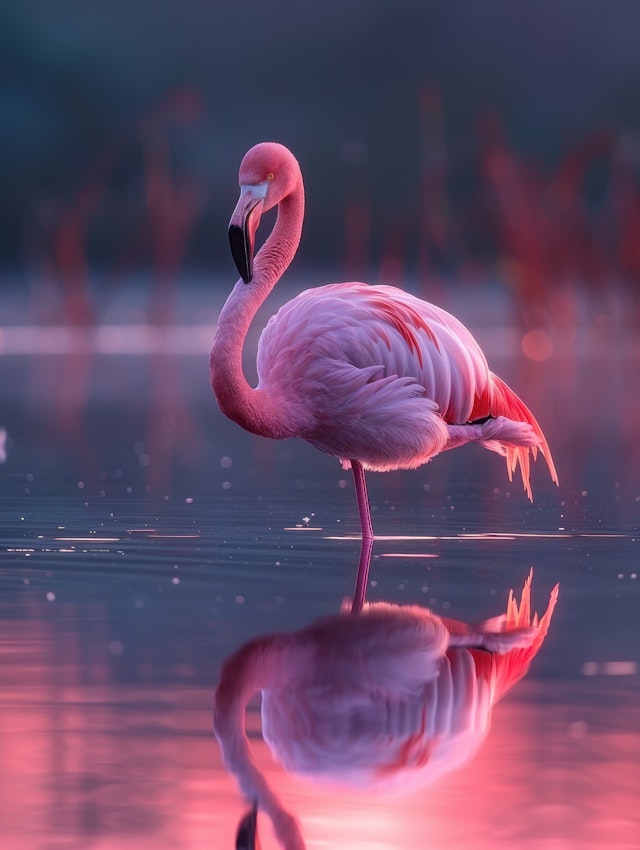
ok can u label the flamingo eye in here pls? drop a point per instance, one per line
(270, 175)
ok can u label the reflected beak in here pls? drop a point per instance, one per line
(243, 225)
(247, 836)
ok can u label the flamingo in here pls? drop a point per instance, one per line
(389, 697)
(370, 374)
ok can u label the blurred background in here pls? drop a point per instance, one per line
(437, 140)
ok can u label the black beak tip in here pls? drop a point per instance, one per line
(240, 252)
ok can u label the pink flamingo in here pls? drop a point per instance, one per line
(370, 374)
(391, 697)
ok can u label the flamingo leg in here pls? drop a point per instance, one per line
(366, 547)
(363, 500)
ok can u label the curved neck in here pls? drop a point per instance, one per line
(255, 666)
(280, 247)
(257, 411)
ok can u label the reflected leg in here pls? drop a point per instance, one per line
(360, 590)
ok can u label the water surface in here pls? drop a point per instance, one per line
(144, 538)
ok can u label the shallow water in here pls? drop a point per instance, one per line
(144, 538)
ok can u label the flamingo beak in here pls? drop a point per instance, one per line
(246, 837)
(243, 225)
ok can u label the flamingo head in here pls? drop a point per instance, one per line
(268, 173)
(247, 835)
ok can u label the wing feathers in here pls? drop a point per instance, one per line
(506, 403)
(324, 350)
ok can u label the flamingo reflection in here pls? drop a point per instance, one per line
(388, 697)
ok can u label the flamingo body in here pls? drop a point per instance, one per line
(386, 378)
(370, 374)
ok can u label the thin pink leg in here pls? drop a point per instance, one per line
(360, 591)
(363, 500)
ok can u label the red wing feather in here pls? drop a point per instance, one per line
(406, 321)
(500, 400)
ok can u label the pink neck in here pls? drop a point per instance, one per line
(255, 410)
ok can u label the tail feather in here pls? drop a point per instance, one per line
(509, 668)
(506, 403)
